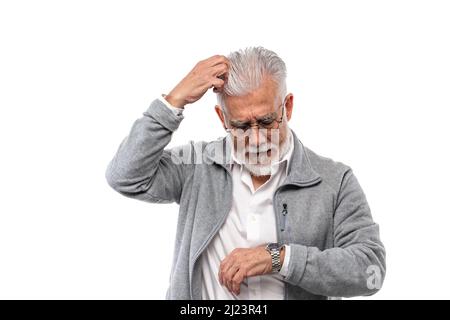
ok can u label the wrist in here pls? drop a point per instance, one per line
(276, 251)
(175, 101)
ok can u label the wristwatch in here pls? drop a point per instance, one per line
(274, 249)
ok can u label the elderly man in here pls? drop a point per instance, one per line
(261, 216)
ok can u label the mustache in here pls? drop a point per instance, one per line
(261, 148)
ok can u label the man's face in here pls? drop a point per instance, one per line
(265, 140)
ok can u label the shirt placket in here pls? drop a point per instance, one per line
(254, 225)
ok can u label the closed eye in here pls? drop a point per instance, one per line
(266, 121)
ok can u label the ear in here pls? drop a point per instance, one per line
(289, 105)
(219, 112)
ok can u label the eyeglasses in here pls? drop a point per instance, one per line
(269, 123)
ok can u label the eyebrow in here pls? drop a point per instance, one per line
(241, 123)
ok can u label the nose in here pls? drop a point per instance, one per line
(257, 137)
(254, 136)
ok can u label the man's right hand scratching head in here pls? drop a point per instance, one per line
(206, 74)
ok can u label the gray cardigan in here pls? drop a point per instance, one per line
(335, 245)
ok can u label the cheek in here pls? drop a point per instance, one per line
(282, 134)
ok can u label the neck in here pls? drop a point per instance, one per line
(259, 180)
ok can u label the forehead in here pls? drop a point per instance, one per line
(257, 103)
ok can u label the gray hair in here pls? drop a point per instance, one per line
(247, 70)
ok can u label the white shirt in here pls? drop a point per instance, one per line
(250, 223)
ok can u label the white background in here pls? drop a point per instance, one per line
(371, 85)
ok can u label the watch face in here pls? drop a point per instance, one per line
(273, 246)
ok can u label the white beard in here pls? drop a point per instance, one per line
(263, 165)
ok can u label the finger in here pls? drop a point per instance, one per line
(222, 268)
(219, 70)
(217, 83)
(229, 275)
(237, 280)
(217, 59)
